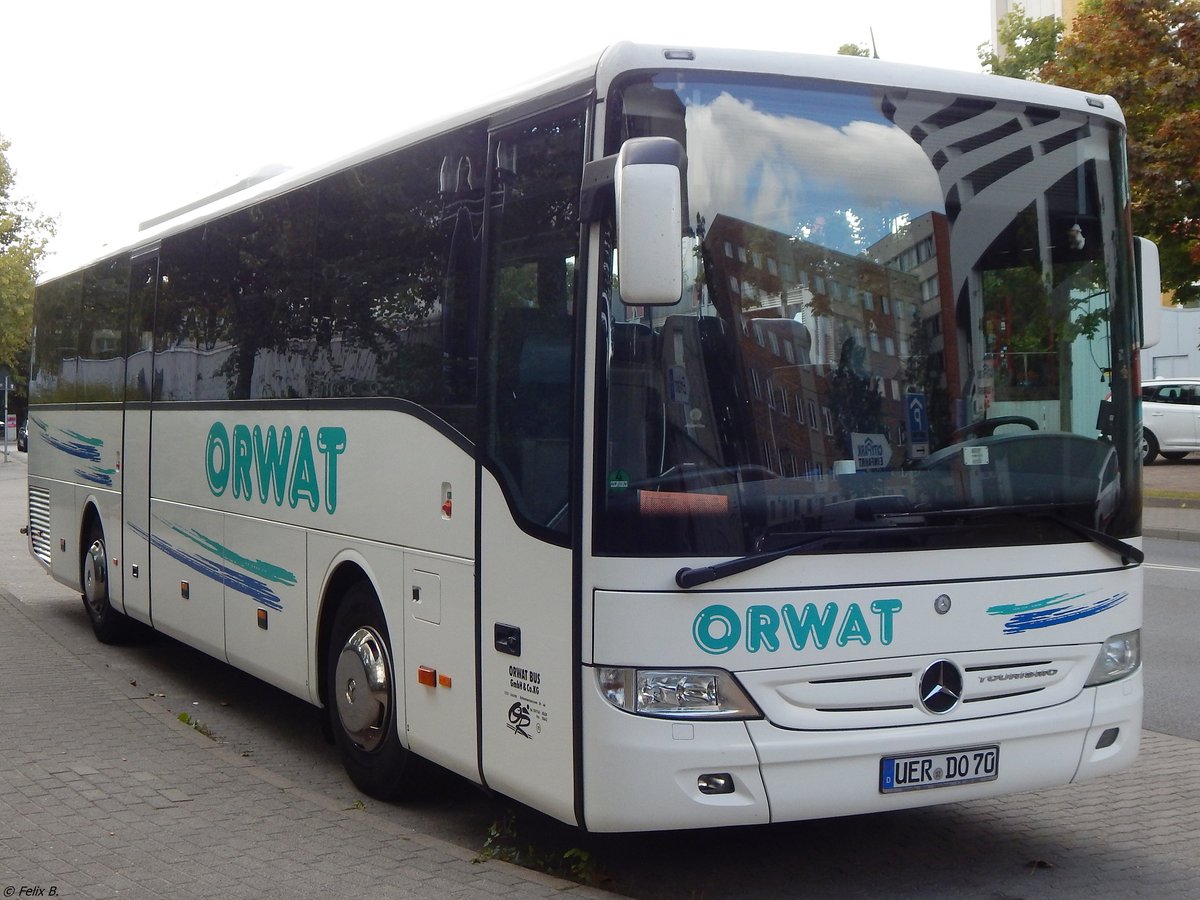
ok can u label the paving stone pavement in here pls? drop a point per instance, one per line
(103, 795)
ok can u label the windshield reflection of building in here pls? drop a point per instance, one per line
(830, 344)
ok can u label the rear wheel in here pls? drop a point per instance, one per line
(360, 692)
(110, 626)
(1173, 455)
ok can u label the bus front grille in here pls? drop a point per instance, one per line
(888, 692)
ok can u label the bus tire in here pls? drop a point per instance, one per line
(110, 625)
(360, 691)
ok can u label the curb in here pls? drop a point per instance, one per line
(1171, 503)
(1171, 534)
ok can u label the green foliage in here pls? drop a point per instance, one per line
(1143, 53)
(1028, 44)
(854, 50)
(503, 844)
(190, 720)
(852, 393)
(23, 237)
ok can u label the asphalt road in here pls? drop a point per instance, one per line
(1089, 840)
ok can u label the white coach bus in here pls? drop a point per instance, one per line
(701, 438)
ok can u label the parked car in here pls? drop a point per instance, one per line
(1170, 418)
(23, 437)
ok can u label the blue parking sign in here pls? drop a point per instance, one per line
(918, 421)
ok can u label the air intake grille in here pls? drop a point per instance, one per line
(39, 523)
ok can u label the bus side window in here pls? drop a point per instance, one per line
(536, 412)
(534, 239)
(55, 370)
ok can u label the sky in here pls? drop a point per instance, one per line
(120, 110)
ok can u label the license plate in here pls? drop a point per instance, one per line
(942, 769)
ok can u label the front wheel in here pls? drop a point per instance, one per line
(360, 693)
(110, 626)
(1149, 446)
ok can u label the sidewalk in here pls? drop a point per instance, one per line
(1171, 504)
(102, 794)
(1172, 519)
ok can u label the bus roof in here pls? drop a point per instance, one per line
(599, 72)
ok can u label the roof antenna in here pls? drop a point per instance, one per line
(874, 52)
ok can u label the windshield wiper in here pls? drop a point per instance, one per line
(694, 576)
(689, 576)
(1125, 550)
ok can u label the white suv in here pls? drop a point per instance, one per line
(1170, 417)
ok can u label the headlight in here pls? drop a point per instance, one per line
(1119, 656)
(676, 693)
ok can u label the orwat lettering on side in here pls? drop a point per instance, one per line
(274, 464)
(718, 629)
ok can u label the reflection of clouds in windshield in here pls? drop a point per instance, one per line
(794, 170)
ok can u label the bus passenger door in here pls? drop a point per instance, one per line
(135, 450)
(527, 622)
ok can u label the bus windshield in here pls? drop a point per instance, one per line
(901, 327)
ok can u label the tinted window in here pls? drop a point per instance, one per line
(102, 331)
(233, 305)
(395, 296)
(186, 321)
(1170, 393)
(139, 342)
(534, 238)
(55, 368)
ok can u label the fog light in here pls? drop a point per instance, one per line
(715, 783)
(1107, 738)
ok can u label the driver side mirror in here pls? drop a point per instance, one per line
(649, 195)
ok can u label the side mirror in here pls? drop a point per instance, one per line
(649, 194)
(1149, 290)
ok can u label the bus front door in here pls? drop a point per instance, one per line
(135, 453)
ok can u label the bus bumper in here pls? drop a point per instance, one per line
(644, 774)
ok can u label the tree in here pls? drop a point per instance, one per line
(23, 237)
(854, 50)
(1143, 53)
(1027, 45)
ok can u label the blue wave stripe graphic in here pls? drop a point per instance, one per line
(75, 448)
(97, 476)
(1060, 615)
(243, 584)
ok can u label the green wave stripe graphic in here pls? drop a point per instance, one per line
(83, 438)
(1009, 609)
(269, 571)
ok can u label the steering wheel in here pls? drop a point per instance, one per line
(987, 427)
